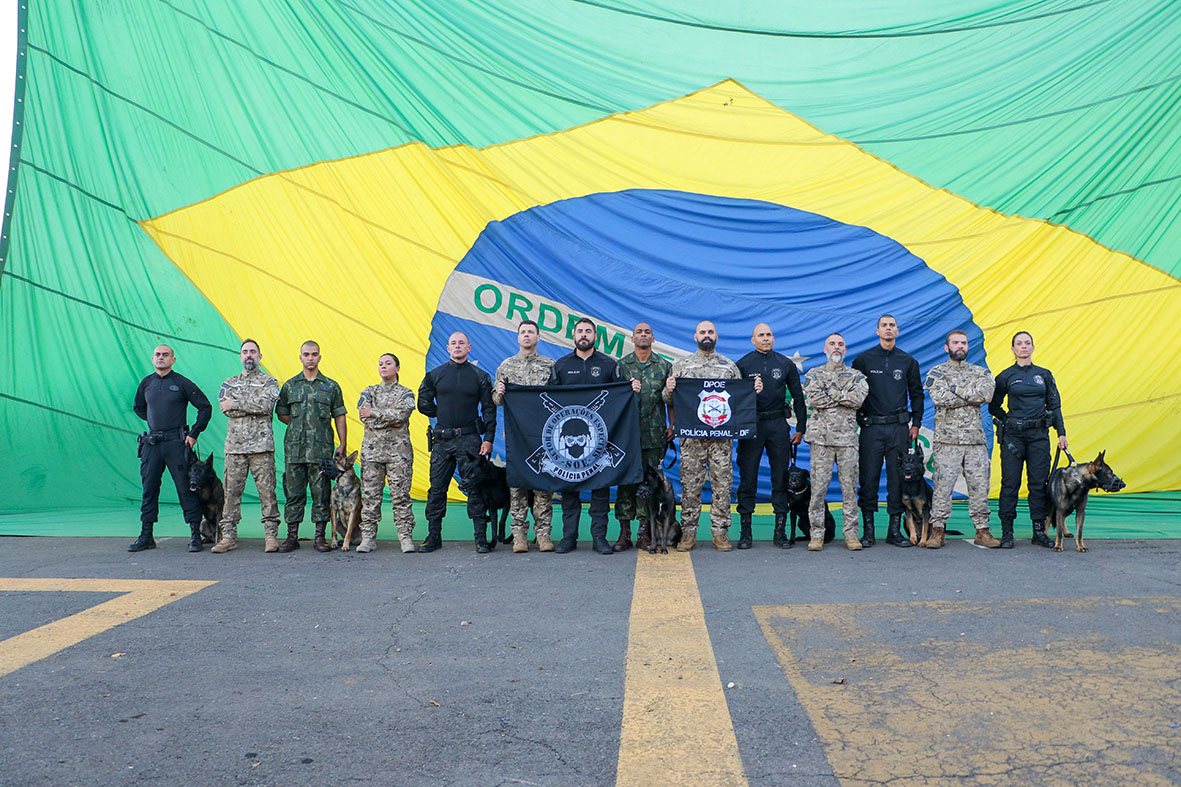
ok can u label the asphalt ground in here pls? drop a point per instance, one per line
(913, 666)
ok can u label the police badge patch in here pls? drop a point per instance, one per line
(714, 409)
(1037, 378)
(897, 374)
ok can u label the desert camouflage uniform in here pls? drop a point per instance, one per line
(958, 388)
(833, 394)
(250, 447)
(700, 456)
(386, 455)
(524, 369)
(653, 422)
(312, 406)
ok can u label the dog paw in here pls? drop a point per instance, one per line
(1057, 549)
(1081, 549)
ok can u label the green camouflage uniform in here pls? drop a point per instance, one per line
(312, 405)
(833, 394)
(386, 455)
(958, 388)
(250, 446)
(653, 422)
(701, 456)
(524, 369)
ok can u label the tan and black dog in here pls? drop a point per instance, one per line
(345, 503)
(1067, 491)
(916, 494)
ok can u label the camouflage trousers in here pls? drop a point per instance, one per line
(262, 467)
(822, 458)
(374, 476)
(627, 507)
(950, 460)
(699, 457)
(297, 477)
(543, 510)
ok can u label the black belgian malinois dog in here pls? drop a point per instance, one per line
(916, 494)
(660, 526)
(799, 496)
(479, 477)
(1067, 490)
(204, 483)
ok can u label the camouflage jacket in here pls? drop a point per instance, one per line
(387, 429)
(652, 376)
(833, 394)
(703, 366)
(312, 405)
(253, 394)
(958, 388)
(522, 370)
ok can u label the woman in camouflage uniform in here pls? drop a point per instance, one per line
(386, 454)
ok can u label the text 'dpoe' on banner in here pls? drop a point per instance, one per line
(572, 437)
(715, 409)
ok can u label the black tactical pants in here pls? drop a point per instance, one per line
(600, 501)
(1031, 448)
(173, 454)
(876, 443)
(445, 453)
(771, 436)
(297, 477)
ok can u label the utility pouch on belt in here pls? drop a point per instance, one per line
(999, 428)
(430, 438)
(140, 439)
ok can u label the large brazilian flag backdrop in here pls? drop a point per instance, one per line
(377, 174)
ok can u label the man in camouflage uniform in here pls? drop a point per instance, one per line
(958, 388)
(527, 367)
(309, 403)
(386, 454)
(833, 392)
(700, 455)
(647, 372)
(249, 401)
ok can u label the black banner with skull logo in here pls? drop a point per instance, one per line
(572, 437)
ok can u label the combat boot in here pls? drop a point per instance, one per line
(228, 540)
(569, 541)
(853, 545)
(434, 537)
(985, 539)
(894, 534)
(745, 540)
(270, 537)
(644, 535)
(544, 543)
(625, 536)
(867, 534)
(1007, 534)
(480, 531)
(816, 543)
(320, 543)
(520, 539)
(722, 541)
(195, 538)
(407, 543)
(935, 540)
(1040, 539)
(688, 538)
(291, 543)
(145, 540)
(368, 538)
(779, 537)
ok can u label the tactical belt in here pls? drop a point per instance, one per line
(880, 420)
(772, 414)
(1018, 425)
(448, 434)
(167, 434)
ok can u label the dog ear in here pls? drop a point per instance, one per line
(209, 461)
(352, 458)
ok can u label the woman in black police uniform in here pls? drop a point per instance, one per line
(1023, 433)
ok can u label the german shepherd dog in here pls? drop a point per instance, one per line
(345, 503)
(916, 494)
(799, 496)
(204, 483)
(486, 481)
(659, 529)
(1067, 491)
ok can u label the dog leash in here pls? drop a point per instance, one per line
(792, 451)
(673, 446)
(1057, 453)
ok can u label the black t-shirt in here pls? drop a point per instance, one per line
(893, 378)
(573, 370)
(779, 375)
(163, 402)
(1032, 393)
(458, 395)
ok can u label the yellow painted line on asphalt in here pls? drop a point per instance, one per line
(676, 724)
(140, 596)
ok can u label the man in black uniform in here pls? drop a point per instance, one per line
(585, 366)
(458, 395)
(779, 376)
(886, 427)
(162, 400)
(1024, 437)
